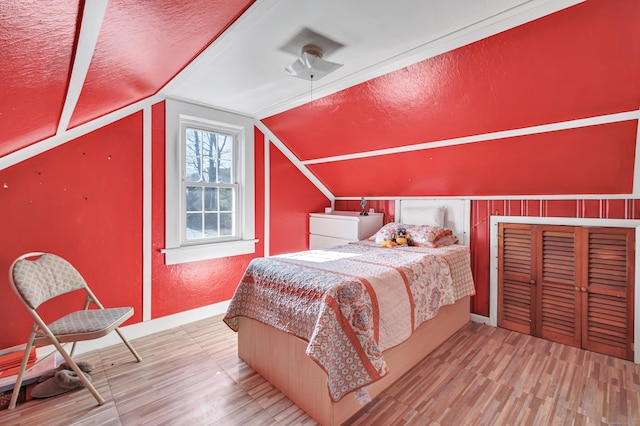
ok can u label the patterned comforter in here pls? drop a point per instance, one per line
(352, 302)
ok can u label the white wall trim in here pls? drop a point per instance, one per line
(294, 160)
(157, 325)
(481, 319)
(267, 196)
(636, 164)
(531, 130)
(617, 223)
(92, 17)
(505, 197)
(147, 211)
(74, 133)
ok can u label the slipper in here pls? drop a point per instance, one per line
(62, 381)
(84, 366)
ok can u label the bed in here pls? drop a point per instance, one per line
(333, 328)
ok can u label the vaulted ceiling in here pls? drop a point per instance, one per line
(66, 63)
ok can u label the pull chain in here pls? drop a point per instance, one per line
(311, 93)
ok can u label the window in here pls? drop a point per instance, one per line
(209, 183)
(209, 197)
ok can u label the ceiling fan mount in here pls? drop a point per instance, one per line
(311, 47)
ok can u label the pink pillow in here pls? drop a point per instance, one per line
(427, 235)
(447, 240)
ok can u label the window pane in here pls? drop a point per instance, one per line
(194, 226)
(194, 199)
(226, 223)
(193, 163)
(225, 147)
(209, 157)
(211, 225)
(226, 199)
(224, 171)
(211, 199)
(192, 171)
(208, 169)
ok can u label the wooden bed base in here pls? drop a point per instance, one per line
(280, 358)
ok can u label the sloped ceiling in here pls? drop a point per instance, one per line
(66, 63)
(549, 107)
(243, 70)
(138, 47)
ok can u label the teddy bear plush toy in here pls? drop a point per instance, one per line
(401, 237)
(388, 244)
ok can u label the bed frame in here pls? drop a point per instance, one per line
(281, 359)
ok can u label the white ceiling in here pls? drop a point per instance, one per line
(242, 71)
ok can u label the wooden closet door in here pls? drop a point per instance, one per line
(558, 297)
(608, 291)
(516, 276)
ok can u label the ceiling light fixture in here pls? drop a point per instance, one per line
(310, 65)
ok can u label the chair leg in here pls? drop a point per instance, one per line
(71, 363)
(126, 342)
(23, 368)
(73, 349)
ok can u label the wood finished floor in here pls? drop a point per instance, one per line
(191, 375)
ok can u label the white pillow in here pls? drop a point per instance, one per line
(433, 215)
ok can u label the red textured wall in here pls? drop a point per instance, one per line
(581, 62)
(143, 44)
(561, 162)
(82, 201)
(387, 207)
(34, 72)
(292, 198)
(181, 287)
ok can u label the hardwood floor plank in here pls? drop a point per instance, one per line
(192, 376)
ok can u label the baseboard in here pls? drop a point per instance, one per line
(480, 319)
(146, 328)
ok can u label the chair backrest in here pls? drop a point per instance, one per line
(43, 278)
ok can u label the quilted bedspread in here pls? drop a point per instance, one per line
(352, 302)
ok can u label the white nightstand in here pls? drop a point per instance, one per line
(331, 229)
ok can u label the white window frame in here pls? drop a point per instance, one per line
(237, 134)
(177, 249)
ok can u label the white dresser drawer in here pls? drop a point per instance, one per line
(341, 227)
(346, 228)
(317, 242)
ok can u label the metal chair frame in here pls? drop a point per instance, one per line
(41, 333)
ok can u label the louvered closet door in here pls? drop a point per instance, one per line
(607, 293)
(516, 282)
(558, 297)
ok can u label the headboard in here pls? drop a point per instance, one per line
(415, 211)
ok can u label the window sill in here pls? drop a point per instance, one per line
(194, 253)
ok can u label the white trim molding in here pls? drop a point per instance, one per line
(147, 328)
(175, 252)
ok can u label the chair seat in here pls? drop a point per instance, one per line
(89, 324)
